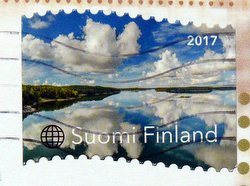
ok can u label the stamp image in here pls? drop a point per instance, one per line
(109, 85)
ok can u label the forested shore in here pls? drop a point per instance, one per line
(33, 94)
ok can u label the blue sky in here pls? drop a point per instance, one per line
(150, 34)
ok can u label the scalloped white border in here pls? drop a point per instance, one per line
(132, 16)
(94, 171)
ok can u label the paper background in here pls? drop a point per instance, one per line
(108, 172)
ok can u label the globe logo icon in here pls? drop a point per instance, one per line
(52, 136)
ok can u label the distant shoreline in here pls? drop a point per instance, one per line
(48, 93)
(42, 97)
(141, 89)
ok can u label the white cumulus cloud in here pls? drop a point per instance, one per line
(99, 48)
(207, 72)
(37, 23)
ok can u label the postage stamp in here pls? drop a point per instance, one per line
(110, 85)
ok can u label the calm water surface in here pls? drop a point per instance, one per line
(131, 111)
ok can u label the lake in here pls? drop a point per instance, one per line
(131, 111)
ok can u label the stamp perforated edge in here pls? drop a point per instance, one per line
(217, 26)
